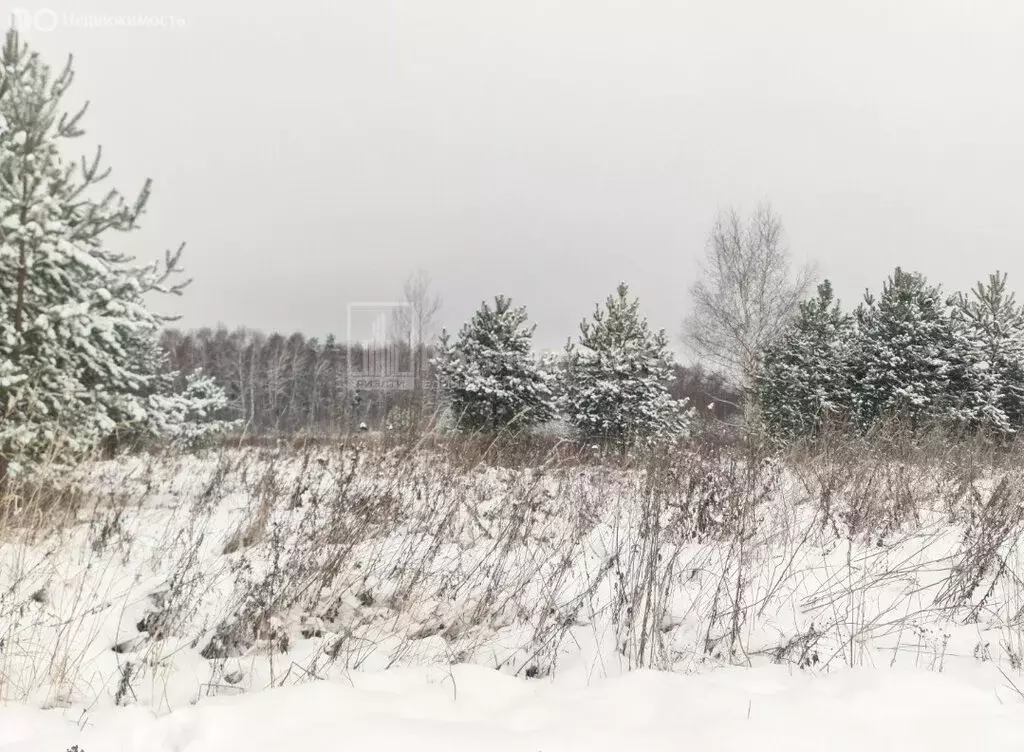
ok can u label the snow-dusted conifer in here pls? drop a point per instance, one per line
(617, 377)
(78, 344)
(906, 356)
(489, 375)
(804, 377)
(990, 325)
(189, 418)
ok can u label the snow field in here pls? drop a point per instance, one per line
(384, 598)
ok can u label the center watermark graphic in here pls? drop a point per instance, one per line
(380, 345)
(48, 19)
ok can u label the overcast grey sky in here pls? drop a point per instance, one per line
(315, 153)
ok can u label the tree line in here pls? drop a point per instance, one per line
(277, 384)
(911, 353)
(86, 363)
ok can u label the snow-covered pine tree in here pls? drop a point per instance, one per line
(804, 377)
(79, 349)
(189, 418)
(991, 329)
(617, 377)
(554, 363)
(489, 375)
(907, 352)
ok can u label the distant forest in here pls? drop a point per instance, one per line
(287, 384)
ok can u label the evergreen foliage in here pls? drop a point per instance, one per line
(907, 352)
(911, 353)
(80, 359)
(990, 324)
(617, 377)
(804, 378)
(489, 375)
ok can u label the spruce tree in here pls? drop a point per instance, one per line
(617, 377)
(804, 378)
(489, 375)
(79, 352)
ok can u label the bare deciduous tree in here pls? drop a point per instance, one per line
(748, 293)
(417, 323)
(419, 319)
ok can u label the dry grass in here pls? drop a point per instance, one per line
(413, 546)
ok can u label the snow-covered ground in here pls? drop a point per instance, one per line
(261, 599)
(471, 708)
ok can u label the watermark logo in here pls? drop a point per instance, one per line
(380, 347)
(48, 19)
